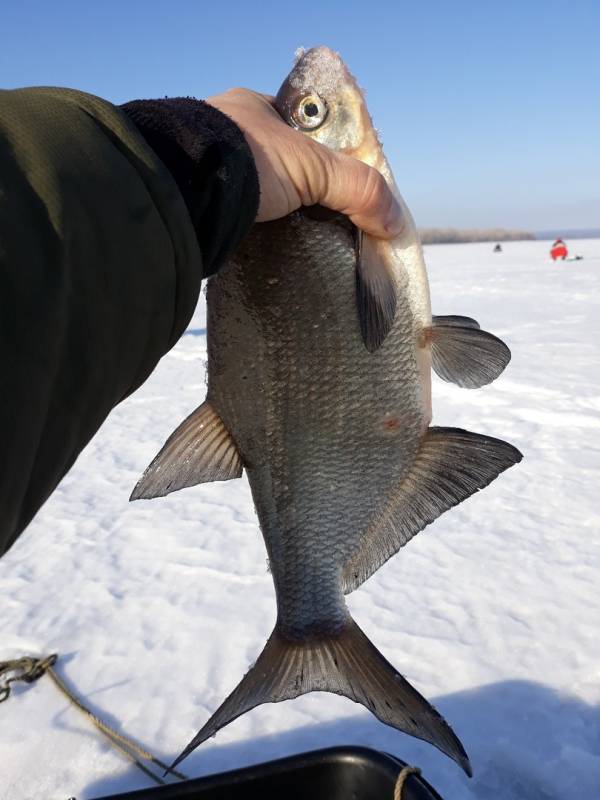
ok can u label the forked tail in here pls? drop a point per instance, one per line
(347, 664)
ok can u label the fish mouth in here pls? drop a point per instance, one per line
(285, 100)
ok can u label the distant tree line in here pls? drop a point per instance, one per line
(452, 235)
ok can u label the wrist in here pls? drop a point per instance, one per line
(212, 164)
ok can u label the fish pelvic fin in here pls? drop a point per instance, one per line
(463, 354)
(346, 663)
(451, 465)
(375, 290)
(200, 450)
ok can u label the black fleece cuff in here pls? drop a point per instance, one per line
(211, 163)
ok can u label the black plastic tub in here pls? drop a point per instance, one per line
(338, 773)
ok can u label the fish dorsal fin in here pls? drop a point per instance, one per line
(456, 321)
(199, 451)
(375, 291)
(464, 354)
(451, 465)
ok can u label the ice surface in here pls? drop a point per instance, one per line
(157, 608)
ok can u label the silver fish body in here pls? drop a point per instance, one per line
(321, 344)
(325, 429)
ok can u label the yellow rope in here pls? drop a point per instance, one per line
(405, 773)
(29, 669)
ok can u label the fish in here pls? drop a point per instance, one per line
(321, 345)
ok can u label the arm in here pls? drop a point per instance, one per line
(100, 266)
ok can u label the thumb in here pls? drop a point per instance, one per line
(361, 193)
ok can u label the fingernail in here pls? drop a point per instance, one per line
(394, 222)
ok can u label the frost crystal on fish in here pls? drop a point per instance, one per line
(320, 69)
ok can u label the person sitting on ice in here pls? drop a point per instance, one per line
(559, 250)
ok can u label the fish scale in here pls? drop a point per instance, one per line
(339, 456)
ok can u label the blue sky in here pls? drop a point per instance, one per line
(489, 112)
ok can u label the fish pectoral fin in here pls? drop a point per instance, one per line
(451, 465)
(375, 291)
(456, 321)
(199, 451)
(347, 664)
(466, 355)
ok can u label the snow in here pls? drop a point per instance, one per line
(157, 608)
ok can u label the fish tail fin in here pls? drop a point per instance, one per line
(347, 664)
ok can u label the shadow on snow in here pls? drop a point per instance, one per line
(524, 740)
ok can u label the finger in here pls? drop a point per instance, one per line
(360, 192)
(243, 99)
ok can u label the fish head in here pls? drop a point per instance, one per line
(321, 98)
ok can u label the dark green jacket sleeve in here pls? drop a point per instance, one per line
(102, 251)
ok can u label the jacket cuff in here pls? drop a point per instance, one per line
(212, 164)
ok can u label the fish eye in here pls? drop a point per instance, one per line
(310, 112)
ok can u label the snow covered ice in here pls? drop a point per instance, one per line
(157, 608)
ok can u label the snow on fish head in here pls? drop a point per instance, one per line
(322, 99)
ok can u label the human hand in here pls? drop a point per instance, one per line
(294, 170)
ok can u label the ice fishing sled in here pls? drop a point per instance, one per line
(337, 773)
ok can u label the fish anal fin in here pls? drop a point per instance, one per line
(466, 356)
(452, 464)
(200, 450)
(375, 290)
(347, 664)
